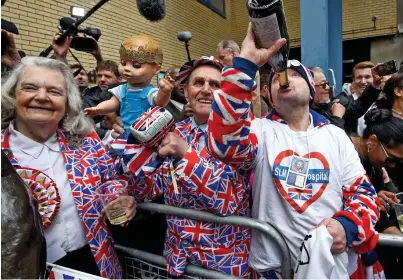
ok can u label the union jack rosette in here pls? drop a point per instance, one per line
(45, 192)
(152, 126)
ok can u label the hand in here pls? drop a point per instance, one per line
(385, 175)
(173, 145)
(338, 110)
(187, 112)
(336, 230)
(117, 128)
(130, 204)
(61, 49)
(93, 111)
(387, 199)
(377, 79)
(11, 56)
(167, 84)
(258, 56)
(96, 52)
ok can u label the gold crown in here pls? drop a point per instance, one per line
(141, 49)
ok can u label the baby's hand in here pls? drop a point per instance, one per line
(93, 111)
(167, 84)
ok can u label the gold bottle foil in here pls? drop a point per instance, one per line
(283, 77)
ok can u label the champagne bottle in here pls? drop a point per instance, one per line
(269, 24)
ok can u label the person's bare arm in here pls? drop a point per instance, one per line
(392, 230)
(103, 108)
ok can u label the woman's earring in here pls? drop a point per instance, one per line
(369, 147)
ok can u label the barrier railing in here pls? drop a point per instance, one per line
(390, 240)
(266, 228)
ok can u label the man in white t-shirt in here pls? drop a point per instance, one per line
(328, 188)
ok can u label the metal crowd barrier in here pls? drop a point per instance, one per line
(390, 240)
(152, 266)
(269, 230)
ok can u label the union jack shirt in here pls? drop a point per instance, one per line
(204, 184)
(335, 183)
(88, 165)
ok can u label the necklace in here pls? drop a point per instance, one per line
(397, 112)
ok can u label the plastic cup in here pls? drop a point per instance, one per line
(399, 210)
(114, 199)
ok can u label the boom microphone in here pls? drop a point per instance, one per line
(184, 36)
(66, 22)
(153, 10)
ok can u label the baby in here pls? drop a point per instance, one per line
(141, 59)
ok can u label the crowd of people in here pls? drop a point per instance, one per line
(242, 146)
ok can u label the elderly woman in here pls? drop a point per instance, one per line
(60, 157)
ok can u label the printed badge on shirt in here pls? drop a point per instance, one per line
(297, 172)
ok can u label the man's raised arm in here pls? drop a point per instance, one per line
(229, 136)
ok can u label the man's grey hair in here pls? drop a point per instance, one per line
(74, 120)
(229, 45)
(316, 69)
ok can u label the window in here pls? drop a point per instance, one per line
(217, 6)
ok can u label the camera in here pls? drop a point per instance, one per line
(81, 43)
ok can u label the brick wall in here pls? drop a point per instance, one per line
(358, 15)
(118, 19)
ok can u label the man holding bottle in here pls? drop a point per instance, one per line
(331, 191)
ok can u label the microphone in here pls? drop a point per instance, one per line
(152, 10)
(66, 22)
(184, 36)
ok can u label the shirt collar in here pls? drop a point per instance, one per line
(194, 125)
(316, 120)
(30, 146)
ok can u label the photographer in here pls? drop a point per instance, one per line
(61, 49)
(9, 53)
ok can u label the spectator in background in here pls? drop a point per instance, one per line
(264, 94)
(227, 50)
(393, 98)
(108, 76)
(81, 77)
(178, 105)
(381, 147)
(362, 77)
(321, 103)
(367, 85)
(9, 54)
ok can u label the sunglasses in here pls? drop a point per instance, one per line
(391, 160)
(323, 85)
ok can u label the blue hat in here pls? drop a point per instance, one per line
(303, 71)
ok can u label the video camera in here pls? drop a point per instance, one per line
(80, 43)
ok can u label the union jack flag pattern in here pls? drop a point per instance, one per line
(87, 167)
(231, 139)
(204, 184)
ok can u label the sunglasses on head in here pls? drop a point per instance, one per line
(323, 85)
(391, 160)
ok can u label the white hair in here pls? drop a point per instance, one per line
(74, 120)
(229, 45)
